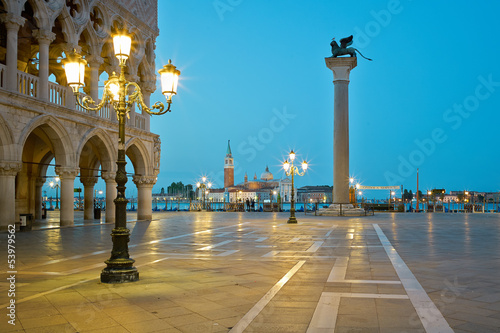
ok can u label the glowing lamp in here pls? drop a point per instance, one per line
(74, 66)
(169, 80)
(286, 166)
(122, 44)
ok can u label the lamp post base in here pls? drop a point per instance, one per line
(119, 271)
(292, 219)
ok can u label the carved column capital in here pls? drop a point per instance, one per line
(94, 60)
(67, 173)
(44, 36)
(10, 168)
(39, 181)
(12, 21)
(88, 181)
(144, 181)
(148, 86)
(108, 176)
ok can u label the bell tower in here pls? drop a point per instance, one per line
(228, 167)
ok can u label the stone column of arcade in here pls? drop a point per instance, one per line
(144, 196)
(109, 178)
(44, 38)
(67, 176)
(39, 181)
(8, 172)
(88, 197)
(341, 68)
(12, 24)
(93, 86)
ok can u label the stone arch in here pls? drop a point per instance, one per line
(41, 14)
(67, 26)
(8, 151)
(56, 135)
(139, 155)
(103, 148)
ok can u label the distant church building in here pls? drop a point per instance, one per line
(264, 189)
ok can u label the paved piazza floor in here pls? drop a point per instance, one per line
(252, 272)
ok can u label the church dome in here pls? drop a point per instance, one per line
(266, 175)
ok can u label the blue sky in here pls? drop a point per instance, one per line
(253, 72)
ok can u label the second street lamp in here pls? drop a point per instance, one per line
(203, 186)
(55, 184)
(292, 170)
(122, 94)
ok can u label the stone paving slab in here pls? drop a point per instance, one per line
(252, 272)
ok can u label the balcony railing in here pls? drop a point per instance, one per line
(28, 85)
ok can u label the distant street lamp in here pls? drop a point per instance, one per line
(203, 186)
(122, 94)
(55, 184)
(292, 170)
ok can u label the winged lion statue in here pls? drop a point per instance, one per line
(343, 49)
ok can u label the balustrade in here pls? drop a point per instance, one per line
(28, 85)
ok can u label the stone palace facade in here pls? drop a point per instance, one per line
(40, 126)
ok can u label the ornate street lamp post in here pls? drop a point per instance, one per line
(55, 184)
(122, 94)
(203, 186)
(292, 170)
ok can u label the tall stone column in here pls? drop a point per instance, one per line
(111, 193)
(88, 197)
(12, 23)
(341, 68)
(38, 197)
(67, 176)
(44, 39)
(8, 172)
(144, 196)
(93, 86)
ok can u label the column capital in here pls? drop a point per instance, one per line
(94, 60)
(148, 86)
(341, 67)
(44, 36)
(88, 181)
(10, 168)
(12, 21)
(67, 173)
(108, 176)
(39, 181)
(145, 181)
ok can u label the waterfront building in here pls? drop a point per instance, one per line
(263, 189)
(321, 193)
